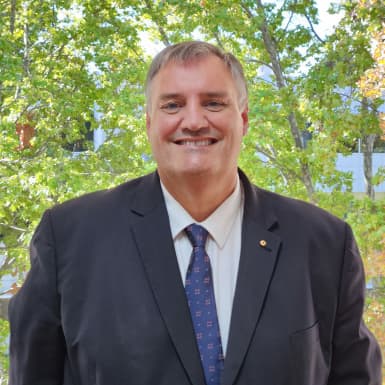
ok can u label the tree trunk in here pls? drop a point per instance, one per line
(281, 83)
(4, 308)
(12, 17)
(367, 147)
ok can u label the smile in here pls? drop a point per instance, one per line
(197, 143)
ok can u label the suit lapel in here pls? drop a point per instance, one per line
(259, 254)
(152, 233)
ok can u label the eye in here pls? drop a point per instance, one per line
(171, 107)
(215, 105)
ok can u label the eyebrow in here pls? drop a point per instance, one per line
(221, 94)
(171, 95)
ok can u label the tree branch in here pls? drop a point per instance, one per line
(313, 30)
(371, 108)
(287, 173)
(289, 21)
(161, 30)
(218, 40)
(259, 62)
(13, 227)
(7, 264)
(247, 10)
(13, 247)
(54, 55)
(26, 51)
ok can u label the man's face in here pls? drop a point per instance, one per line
(194, 123)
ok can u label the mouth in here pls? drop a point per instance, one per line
(196, 143)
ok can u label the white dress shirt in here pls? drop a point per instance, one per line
(223, 247)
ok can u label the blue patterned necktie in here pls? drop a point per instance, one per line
(200, 295)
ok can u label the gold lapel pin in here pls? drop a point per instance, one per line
(262, 243)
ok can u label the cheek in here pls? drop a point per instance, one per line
(163, 127)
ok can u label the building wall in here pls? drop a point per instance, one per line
(354, 163)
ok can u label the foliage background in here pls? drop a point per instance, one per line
(68, 67)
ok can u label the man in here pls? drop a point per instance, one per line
(124, 289)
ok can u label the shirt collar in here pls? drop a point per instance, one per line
(218, 224)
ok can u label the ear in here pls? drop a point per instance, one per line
(245, 119)
(148, 122)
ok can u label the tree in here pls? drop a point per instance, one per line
(364, 20)
(372, 82)
(345, 58)
(58, 60)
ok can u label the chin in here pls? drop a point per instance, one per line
(193, 171)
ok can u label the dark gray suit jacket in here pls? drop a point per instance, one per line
(104, 302)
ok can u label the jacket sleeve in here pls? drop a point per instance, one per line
(37, 347)
(356, 357)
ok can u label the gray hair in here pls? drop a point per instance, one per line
(193, 50)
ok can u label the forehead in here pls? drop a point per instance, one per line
(201, 75)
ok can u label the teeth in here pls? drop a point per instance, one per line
(206, 142)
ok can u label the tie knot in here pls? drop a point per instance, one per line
(197, 235)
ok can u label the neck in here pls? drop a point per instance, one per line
(200, 196)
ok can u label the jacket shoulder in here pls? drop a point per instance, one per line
(101, 199)
(300, 218)
(96, 212)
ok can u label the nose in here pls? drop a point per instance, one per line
(194, 118)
